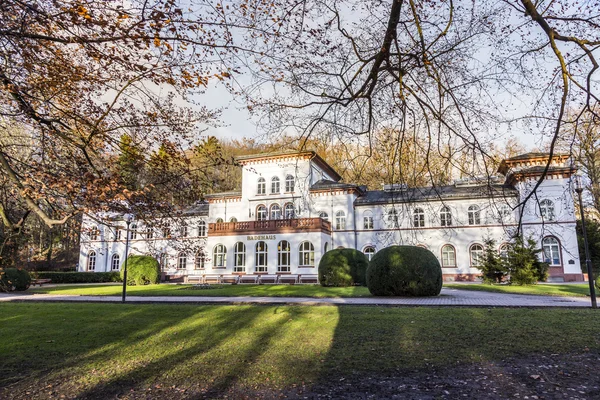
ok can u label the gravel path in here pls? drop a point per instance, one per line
(448, 297)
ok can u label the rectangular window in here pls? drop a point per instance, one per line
(368, 223)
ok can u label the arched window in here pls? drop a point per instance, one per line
(199, 260)
(324, 215)
(275, 211)
(369, 252)
(219, 256)
(261, 256)
(340, 220)
(551, 249)
(219, 220)
(133, 232)
(448, 256)
(289, 211)
(445, 216)
(418, 218)
(474, 215)
(392, 218)
(368, 220)
(261, 187)
(149, 232)
(239, 257)
(94, 234)
(503, 252)
(547, 210)
(163, 260)
(289, 183)
(182, 261)
(275, 185)
(306, 254)
(261, 213)
(283, 256)
(201, 228)
(476, 253)
(326, 247)
(91, 261)
(115, 262)
(233, 219)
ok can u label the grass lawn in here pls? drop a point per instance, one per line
(109, 350)
(576, 290)
(220, 290)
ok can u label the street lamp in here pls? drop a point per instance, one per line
(127, 234)
(588, 262)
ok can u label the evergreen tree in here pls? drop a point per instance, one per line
(524, 265)
(493, 269)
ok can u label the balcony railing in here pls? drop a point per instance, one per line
(270, 226)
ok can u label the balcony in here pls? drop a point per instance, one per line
(271, 226)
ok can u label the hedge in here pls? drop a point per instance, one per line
(78, 277)
(404, 271)
(14, 279)
(343, 267)
(142, 270)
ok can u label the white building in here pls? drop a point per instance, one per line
(292, 208)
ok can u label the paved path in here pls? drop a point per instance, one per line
(448, 297)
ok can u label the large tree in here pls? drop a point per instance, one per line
(75, 76)
(452, 73)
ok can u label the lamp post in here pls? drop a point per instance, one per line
(588, 262)
(127, 234)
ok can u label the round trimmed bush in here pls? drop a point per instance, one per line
(343, 267)
(14, 279)
(141, 270)
(404, 271)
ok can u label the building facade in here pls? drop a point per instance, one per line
(292, 208)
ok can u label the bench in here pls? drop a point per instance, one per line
(268, 279)
(291, 279)
(195, 279)
(40, 282)
(249, 279)
(233, 279)
(308, 278)
(212, 278)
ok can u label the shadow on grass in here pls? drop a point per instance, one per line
(114, 349)
(388, 340)
(109, 350)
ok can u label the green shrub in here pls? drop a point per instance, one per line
(142, 270)
(79, 277)
(598, 283)
(404, 271)
(14, 279)
(343, 267)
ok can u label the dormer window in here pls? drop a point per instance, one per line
(275, 185)
(289, 183)
(261, 187)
